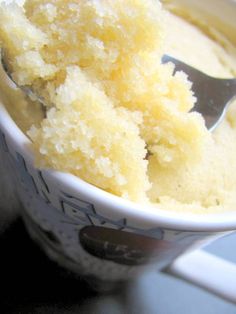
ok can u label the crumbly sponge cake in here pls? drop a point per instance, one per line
(116, 117)
(110, 100)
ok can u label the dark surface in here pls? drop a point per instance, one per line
(33, 284)
(30, 280)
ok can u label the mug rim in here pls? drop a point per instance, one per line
(141, 213)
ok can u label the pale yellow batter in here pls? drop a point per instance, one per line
(116, 116)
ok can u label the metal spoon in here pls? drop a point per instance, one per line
(27, 90)
(213, 94)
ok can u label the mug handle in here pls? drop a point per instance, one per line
(207, 271)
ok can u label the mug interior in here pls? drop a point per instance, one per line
(211, 10)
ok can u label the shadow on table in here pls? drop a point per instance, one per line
(31, 282)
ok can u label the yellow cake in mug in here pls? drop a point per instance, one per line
(114, 115)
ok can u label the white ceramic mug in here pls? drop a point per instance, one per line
(99, 235)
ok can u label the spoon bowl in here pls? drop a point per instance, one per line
(25, 89)
(213, 94)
